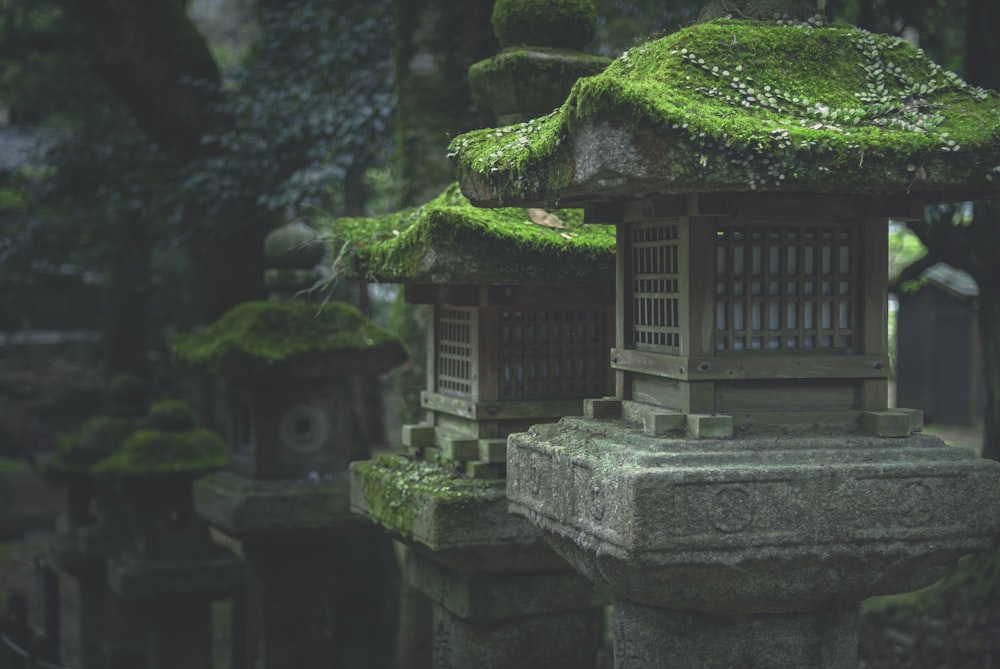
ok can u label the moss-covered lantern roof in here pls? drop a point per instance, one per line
(151, 452)
(291, 337)
(735, 105)
(449, 241)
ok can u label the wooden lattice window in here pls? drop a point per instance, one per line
(454, 351)
(785, 289)
(656, 287)
(552, 354)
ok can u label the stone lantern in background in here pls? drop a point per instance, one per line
(96, 525)
(322, 583)
(747, 485)
(172, 570)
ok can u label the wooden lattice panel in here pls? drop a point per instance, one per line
(454, 351)
(785, 288)
(656, 287)
(552, 354)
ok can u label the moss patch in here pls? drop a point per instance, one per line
(79, 451)
(270, 332)
(450, 241)
(751, 105)
(393, 488)
(153, 452)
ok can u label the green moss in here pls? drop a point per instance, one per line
(152, 452)
(450, 241)
(393, 487)
(171, 416)
(270, 332)
(79, 451)
(559, 23)
(748, 105)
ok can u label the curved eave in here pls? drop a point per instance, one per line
(607, 162)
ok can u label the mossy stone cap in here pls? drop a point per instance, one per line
(742, 105)
(449, 241)
(568, 24)
(255, 337)
(155, 452)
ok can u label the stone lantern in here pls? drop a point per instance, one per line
(520, 316)
(98, 524)
(172, 570)
(747, 485)
(321, 581)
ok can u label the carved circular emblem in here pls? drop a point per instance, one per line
(915, 504)
(303, 429)
(731, 509)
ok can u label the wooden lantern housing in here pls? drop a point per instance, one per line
(767, 308)
(502, 358)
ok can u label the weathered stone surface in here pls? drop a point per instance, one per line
(647, 637)
(521, 83)
(463, 521)
(753, 525)
(215, 574)
(239, 505)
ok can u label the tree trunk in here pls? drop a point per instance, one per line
(436, 42)
(126, 339)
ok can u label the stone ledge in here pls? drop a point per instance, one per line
(712, 521)
(239, 505)
(212, 575)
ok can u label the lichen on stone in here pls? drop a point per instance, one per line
(742, 105)
(255, 333)
(450, 241)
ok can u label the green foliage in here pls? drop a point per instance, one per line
(565, 24)
(905, 248)
(313, 103)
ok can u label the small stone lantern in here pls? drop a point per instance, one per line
(322, 583)
(747, 485)
(98, 524)
(173, 570)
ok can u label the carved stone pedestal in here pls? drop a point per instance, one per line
(749, 551)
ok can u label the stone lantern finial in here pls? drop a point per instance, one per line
(800, 10)
(292, 252)
(541, 57)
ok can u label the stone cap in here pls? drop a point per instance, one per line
(748, 106)
(296, 338)
(449, 241)
(148, 452)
